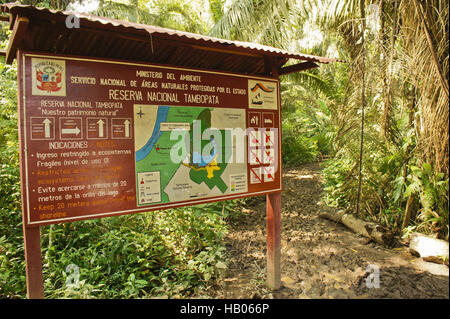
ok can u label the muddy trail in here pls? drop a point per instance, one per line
(319, 258)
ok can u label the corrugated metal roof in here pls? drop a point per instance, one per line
(111, 38)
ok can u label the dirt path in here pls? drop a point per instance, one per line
(319, 258)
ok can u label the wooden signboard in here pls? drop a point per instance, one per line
(101, 138)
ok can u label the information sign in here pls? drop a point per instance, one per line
(102, 138)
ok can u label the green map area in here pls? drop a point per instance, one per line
(204, 167)
(159, 178)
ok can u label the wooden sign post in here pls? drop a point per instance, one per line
(31, 234)
(274, 240)
(273, 210)
(33, 262)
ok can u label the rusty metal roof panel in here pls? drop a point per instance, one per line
(156, 44)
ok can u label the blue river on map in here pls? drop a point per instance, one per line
(147, 148)
(203, 160)
(161, 116)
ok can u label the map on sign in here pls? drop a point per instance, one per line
(183, 153)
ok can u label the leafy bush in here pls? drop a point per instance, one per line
(297, 148)
(12, 264)
(389, 176)
(432, 190)
(338, 179)
(306, 133)
(173, 253)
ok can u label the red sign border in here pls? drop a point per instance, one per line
(23, 141)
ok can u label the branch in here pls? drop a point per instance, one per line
(431, 45)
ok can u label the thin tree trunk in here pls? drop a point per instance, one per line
(407, 216)
(409, 203)
(411, 108)
(388, 60)
(363, 102)
(386, 94)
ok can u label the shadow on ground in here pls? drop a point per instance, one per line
(320, 259)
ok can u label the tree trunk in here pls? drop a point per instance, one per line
(420, 11)
(366, 229)
(407, 215)
(387, 62)
(363, 102)
(408, 209)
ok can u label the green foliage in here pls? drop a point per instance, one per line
(306, 129)
(297, 148)
(173, 14)
(390, 174)
(405, 153)
(12, 263)
(169, 253)
(432, 190)
(263, 21)
(9, 155)
(337, 181)
(217, 10)
(173, 253)
(12, 278)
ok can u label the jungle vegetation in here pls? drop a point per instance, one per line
(378, 123)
